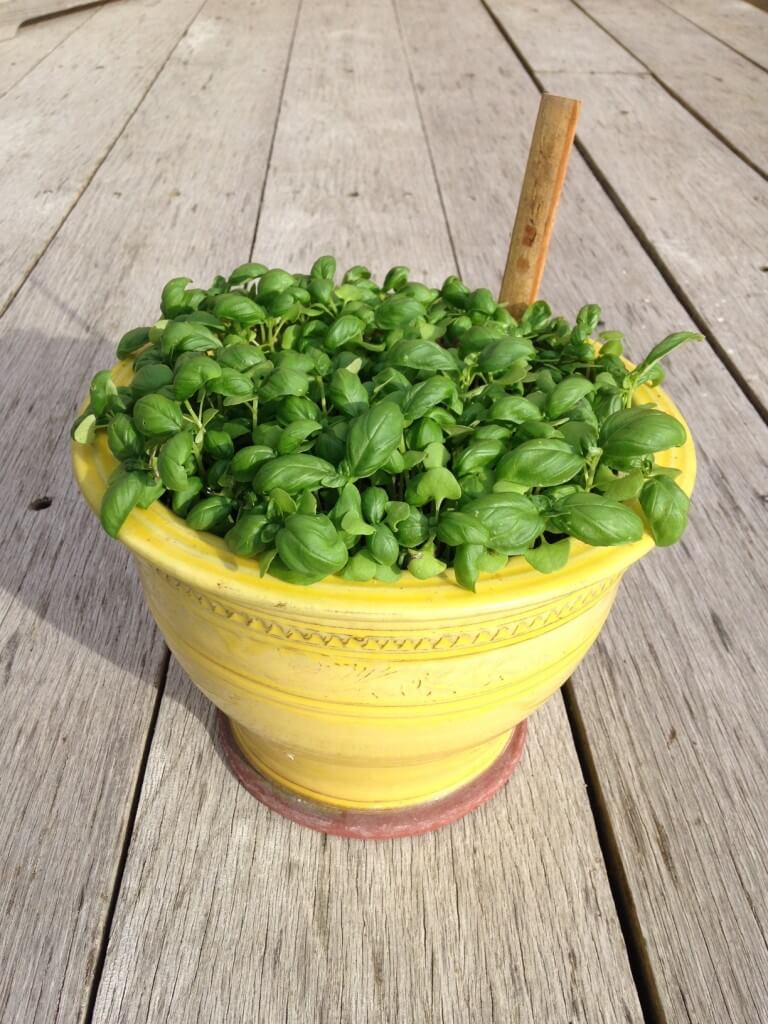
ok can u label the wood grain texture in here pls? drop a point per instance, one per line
(14, 13)
(80, 659)
(701, 209)
(59, 122)
(736, 22)
(545, 171)
(672, 696)
(230, 913)
(724, 89)
(18, 56)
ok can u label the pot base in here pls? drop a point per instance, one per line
(394, 823)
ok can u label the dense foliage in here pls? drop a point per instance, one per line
(361, 429)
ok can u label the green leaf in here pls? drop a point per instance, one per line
(467, 565)
(325, 267)
(549, 557)
(411, 530)
(157, 417)
(639, 431)
(292, 473)
(666, 508)
(396, 279)
(183, 500)
(500, 355)
(275, 281)
(238, 307)
(625, 487)
(247, 460)
(347, 393)
(246, 272)
(194, 374)
(514, 409)
(540, 462)
(373, 437)
(434, 485)
(120, 498)
(131, 341)
(151, 378)
(312, 545)
(671, 342)
(170, 462)
(457, 528)
(421, 354)
(244, 537)
(173, 300)
(383, 545)
(361, 568)
(397, 311)
(230, 384)
(84, 431)
(423, 397)
(209, 513)
(123, 438)
(374, 504)
(345, 330)
(102, 390)
(597, 520)
(424, 566)
(566, 394)
(513, 521)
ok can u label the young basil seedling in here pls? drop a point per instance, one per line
(329, 426)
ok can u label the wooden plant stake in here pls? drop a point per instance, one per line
(539, 196)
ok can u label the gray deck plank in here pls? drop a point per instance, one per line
(33, 43)
(236, 914)
(727, 91)
(59, 122)
(702, 210)
(671, 698)
(740, 24)
(81, 661)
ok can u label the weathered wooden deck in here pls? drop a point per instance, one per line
(621, 874)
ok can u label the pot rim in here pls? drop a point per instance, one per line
(162, 539)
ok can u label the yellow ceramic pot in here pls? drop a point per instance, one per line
(369, 696)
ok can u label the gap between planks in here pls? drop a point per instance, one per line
(696, 114)
(666, 272)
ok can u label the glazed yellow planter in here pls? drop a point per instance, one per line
(368, 697)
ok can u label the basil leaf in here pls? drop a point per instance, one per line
(209, 513)
(194, 374)
(666, 508)
(547, 557)
(246, 272)
(513, 521)
(640, 431)
(347, 393)
(170, 462)
(383, 545)
(173, 300)
(131, 341)
(597, 520)
(157, 417)
(120, 498)
(466, 565)
(566, 394)
(421, 354)
(311, 544)
(240, 308)
(292, 473)
(434, 485)
(244, 538)
(373, 437)
(457, 528)
(541, 462)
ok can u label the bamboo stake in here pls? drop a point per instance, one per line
(539, 196)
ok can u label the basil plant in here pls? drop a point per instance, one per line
(365, 429)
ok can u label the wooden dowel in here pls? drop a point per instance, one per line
(539, 196)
